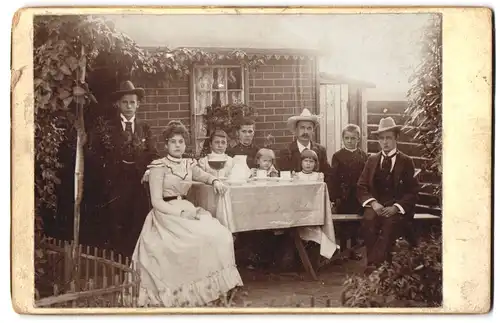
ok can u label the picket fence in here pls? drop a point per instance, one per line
(104, 279)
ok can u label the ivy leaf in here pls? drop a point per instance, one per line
(78, 91)
(45, 98)
(63, 94)
(67, 101)
(37, 82)
(65, 69)
(72, 63)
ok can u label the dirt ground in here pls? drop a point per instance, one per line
(294, 289)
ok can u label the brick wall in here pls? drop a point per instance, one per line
(161, 105)
(277, 90)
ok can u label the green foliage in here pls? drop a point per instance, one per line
(66, 51)
(227, 118)
(414, 279)
(59, 43)
(425, 97)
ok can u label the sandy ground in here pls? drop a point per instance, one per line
(294, 289)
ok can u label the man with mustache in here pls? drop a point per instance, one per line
(303, 127)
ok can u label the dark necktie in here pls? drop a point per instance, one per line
(387, 163)
(128, 130)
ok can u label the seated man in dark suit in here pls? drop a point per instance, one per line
(387, 190)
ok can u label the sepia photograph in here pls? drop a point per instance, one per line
(238, 160)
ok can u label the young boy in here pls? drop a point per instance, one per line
(347, 166)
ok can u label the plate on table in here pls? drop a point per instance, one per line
(281, 179)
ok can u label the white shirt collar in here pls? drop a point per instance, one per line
(351, 150)
(123, 119)
(302, 147)
(392, 152)
(393, 159)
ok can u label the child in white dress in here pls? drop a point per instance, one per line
(218, 145)
(310, 166)
(265, 160)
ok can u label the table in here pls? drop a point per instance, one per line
(268, 205)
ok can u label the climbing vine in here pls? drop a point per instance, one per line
(425, 97)
(64, 46)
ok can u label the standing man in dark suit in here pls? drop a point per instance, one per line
(387, 190)
(132, 149)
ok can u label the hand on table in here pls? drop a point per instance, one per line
(219, 187)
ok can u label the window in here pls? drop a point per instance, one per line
(220, 85)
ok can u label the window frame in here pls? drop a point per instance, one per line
(245, 88)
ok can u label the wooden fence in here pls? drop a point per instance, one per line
(104, 279)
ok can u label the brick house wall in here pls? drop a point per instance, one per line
(277, 90)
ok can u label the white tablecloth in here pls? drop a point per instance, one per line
(273, 205)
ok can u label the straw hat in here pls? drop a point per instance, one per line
(128, 87)
(386, 124)
(306, 115)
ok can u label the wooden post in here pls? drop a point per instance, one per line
(95, 266)
(79, 162)
(67, 262)
(303, 255)
(112, 267)
(121, 271)
(120, 295)
(87, 263)
(73, 289)
(91, 284)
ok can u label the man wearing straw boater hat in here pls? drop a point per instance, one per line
(303, 127)
(387, 190)
(133, 148)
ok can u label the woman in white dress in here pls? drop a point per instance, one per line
(185, 256)
(218, 145)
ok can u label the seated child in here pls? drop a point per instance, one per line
(347, 166)
(310, 166)
(217, 157)
(265, 160)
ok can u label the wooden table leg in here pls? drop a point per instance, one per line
(303, 255)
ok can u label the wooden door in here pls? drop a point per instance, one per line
(334, 116)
